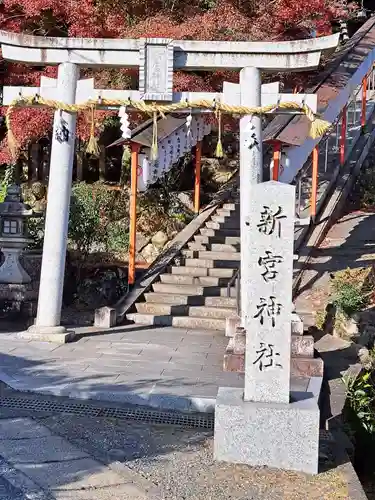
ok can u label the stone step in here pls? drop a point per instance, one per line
(231, 206)
(222, 247)
(303, 345)
(234, 358)
(227, 240)
(226, 302)
(205, 231)
(188, 322)
(306, 367)
(224, 220)
(180, 279)
(218, 226)
(162, 309)
(213, 247)
(150, 319)
(211, 312)
(194, 323)
(208, 291)
(192, 300)
(227, 213)
(308, 318)
(189, 271)
(227, 264)
(299, 366)
(208, 255)
(175, 299)
(193, 245)
(202, 271)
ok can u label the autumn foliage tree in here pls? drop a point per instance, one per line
(177, 19)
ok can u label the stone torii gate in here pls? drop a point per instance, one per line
(156, 60)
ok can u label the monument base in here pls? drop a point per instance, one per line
(284, 436)
(56, 334)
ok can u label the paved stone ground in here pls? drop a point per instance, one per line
(66, 457)
(36, 464)
(163, 367)
(349, 243)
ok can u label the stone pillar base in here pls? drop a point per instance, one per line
(232, 324)
(284, 436)
(105, 317)
(56, 334)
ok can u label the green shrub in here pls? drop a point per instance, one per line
(87, 224)
(117, 237)
(350, 291)
(360, 399)
(35, 226)
(349, 299)
(359, 419)
(365, 188)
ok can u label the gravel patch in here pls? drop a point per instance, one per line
(179, 463)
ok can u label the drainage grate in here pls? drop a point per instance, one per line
(192, 421)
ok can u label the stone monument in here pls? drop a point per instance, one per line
(266, 424)
(13, 237)
(18, 291)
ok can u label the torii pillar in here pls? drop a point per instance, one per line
(156, 60)
(57, 215)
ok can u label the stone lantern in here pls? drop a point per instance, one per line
(13, 236)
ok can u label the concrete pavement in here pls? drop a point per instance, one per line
(167, 368)
(36, 464)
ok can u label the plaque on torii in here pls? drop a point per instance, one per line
(156, 60)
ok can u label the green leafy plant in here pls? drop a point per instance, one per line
(360, 398)
(349, 299)
(207, 4)
(35, 228)
(86, 222)
(117, 237)
(181, 217)
(364, 189)
(320, 318)
(350, 292)
(9, 177)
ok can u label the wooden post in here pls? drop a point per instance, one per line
(343, 135)
(30, 164)
(314, 185)
(18, 170)
(102, 163)
(276, 160)
(133, 212)
(79, 163)
(197, 183)
(364, 101)
(33, 164)
(79, 160)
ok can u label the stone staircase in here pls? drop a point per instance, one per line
(193, 294)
